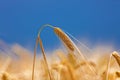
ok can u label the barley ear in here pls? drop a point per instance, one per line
(117, 57)
(64, 38)
(118, 74)
(71, 46)
(6, 76)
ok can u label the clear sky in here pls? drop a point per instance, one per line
(95, 20)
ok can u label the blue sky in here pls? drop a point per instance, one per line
(95, 20)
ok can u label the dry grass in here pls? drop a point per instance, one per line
(70, 65)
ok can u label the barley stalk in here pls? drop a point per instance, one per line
(45, 60)
(34, 59)
(108, 67)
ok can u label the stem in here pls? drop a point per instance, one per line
(108, 66)
(34, 59)
(44, 57)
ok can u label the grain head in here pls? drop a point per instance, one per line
(66, 40)
(117, 57)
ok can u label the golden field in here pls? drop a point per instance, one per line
(18, 63)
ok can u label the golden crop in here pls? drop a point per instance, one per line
(60, 65)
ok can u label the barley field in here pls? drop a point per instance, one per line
(71, 63)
